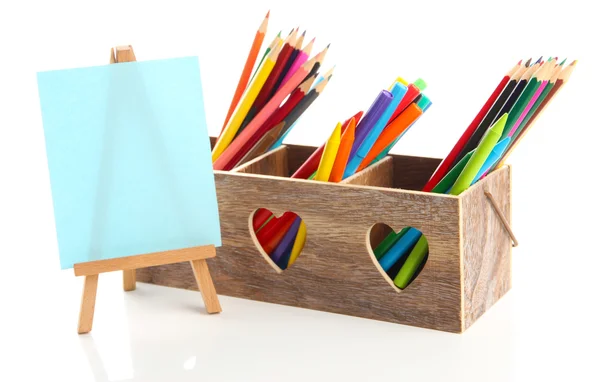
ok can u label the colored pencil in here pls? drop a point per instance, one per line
(561, 80)
(290, 61)
(269, 86)
(312, 163)
(266, 53)
(508, 104)
(298, 243)
(270, 238)
(263, 115)
(278, 116)
(337, 172)
(521, 103)
(319, 61)
(301, 58)
(289, 120)
(262, 146)
(543, 79)
(247, 71)
(329, 153)
(480, 123)
(244, 105)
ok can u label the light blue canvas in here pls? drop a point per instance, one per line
(129, 159)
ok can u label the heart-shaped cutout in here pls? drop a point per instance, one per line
(279, 239)
(399, 256)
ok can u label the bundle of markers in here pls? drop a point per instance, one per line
(353, 145)
(514, 106)
(268, 102)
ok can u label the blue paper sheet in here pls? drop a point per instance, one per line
(129, 159)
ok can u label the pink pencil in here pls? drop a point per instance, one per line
(532, 101)
(265, 113)
(298, 62)
(544, 77)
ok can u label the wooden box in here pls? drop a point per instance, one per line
(467, 270)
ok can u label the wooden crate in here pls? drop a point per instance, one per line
(468, 268)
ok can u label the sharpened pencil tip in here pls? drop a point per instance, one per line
(328, 45)
(519, 63)
(528, 62)
(574, 63)
(279, 34)
(268, 14)
(304, 33)
(539, 60)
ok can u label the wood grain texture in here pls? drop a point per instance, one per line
(119, 55)
(129, 280)
(411, 173)
(335, 272)
(273, 163)
(88, 304)
(381, 174)
(206, 286)
(487, 247)
(147, 260)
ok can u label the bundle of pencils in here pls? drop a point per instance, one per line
(353, 145)
(266, 103)
(507, 115)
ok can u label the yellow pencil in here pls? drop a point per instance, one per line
(247, 100)
(329, 154)
(298, 243)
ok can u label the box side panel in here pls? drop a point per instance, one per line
(487, 247)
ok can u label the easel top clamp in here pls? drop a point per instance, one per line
(195, 255)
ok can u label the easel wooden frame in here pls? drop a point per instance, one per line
(196, 256)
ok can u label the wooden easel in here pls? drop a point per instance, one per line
(91, 270)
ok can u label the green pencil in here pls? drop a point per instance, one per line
(265, 55)
(517, 109)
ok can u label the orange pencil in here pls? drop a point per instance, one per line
(341, 159)
(247, 71)
(264, 114)
(391, 132)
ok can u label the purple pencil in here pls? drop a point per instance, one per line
(371, 117)
(282, 252)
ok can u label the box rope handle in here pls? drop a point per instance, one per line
(502, 217)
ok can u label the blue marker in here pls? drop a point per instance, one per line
(402, 246)
(398, 91)
(424, 104)
(491, 160)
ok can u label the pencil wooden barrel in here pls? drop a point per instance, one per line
(467, 269)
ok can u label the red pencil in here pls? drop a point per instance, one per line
(443, 168)
(271, 236)
(266, 92)
(275, 118)
(312, 163)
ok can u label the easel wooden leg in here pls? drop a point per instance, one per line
(129, 280)
(206, 286)
(88, 302)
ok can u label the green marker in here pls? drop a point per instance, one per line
(450, 178)
(412, 263)
(388, 242)
(482, 151)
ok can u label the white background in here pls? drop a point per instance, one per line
(547, 325)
